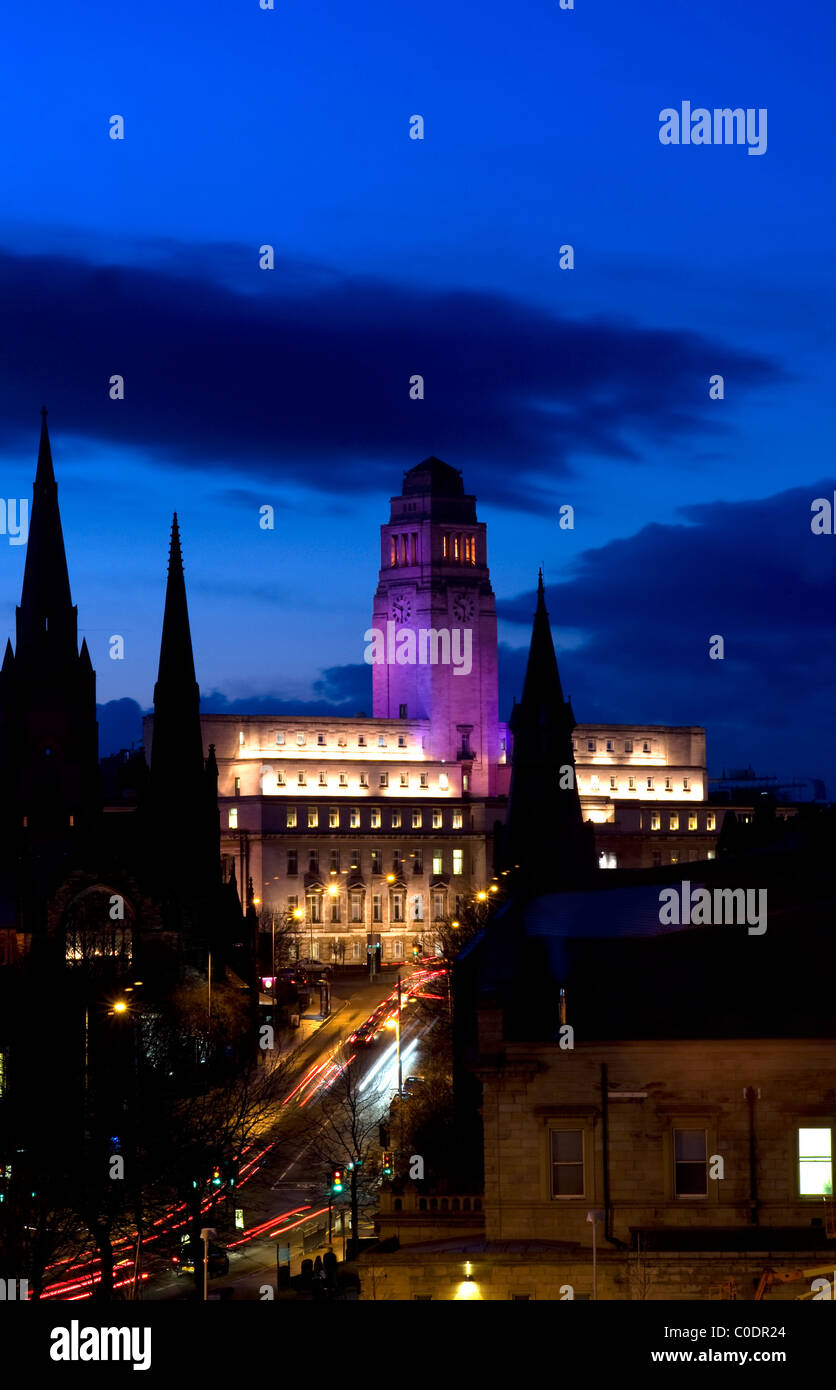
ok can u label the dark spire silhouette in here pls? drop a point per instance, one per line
(177, 746)
(545, 844)
(45, 603)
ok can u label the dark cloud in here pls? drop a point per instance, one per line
(646, 607)
(299, 375)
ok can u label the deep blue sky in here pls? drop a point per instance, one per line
(395, 256)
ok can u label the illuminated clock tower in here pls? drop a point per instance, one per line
(435, 611)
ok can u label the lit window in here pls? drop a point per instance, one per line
(436, 819)
(690, 1155)
(375, 818)
(457, 820)
(567, 1162)
(438, 864)
(607, 861)
(396, 820)
(457, 547)
(233, 817)
(334, 818)
(692, 822)
(443, 781)
(237, 785)
(280, 738)
(710, 854)
(381, 741)
(815, 1162)
(674, 821)
(313, 817)
(465, 781)
(300, 739)
(654, 820)
(445, 547)
(393, 551)
(458, 861)
(674, 857)
(417, 820)
(291, 817)
(354, 818)
(417, 908)
(711, 822)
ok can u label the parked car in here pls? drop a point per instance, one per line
(191, 1251)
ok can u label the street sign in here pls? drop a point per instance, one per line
(239, 1218)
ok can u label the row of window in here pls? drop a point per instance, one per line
(364, 779)
(342, 741)
(456, 547)
(414, 864)
(350, 818)
(674, 820)
(355, 950)
(650, 782)
(322, 907)
(592, 745)
(690, 1160)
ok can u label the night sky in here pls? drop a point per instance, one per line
(290, 127)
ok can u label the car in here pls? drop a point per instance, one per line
(191, 1250)
(365, 1034)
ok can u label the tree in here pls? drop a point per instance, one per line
(344, 1131)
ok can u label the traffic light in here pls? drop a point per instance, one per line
(217, 1180)
(386, 1164)
(336, 1182)
(415, 952)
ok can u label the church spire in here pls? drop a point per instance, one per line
(177, 747)
(46, 604)
(545, 838)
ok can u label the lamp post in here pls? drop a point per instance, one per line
(594, 1217)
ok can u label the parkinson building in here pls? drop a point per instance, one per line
(386, 825)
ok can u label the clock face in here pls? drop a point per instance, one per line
(463, 608)
(401, 608)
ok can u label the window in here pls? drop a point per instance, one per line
(656, 858)
(438, 864)
(628, 745)
(354, 818)
(610, 746)
(445, 547)
(668, 784)
(457, 547)
(815, 1162)
(645, 747)
(396, 820)
(334, 861)
(334, 818)
(355, 950)
(291, 818)
(674, 856)
(458, 861)
(417, 820)
(323, 780)
(425, 779)
(381, 741)
(233, 817)
(377, 862)
(361, 742)
(237, 785)
(654, 820)
(320, 739)
(631, 785)
(302, 780)
(710, 854)
(364, 779)
(692, 822)
(401, 739)
(292, 863)
(375, 818)
(690, 1161)
(650, 784)
(438, 906)
(341, 741)
(343, 780)
(335, 909)
(593, 782)
(404, 779)
(404, 551)
(613, 784)
(457, 820)
(315, 910)
(279, 778)
(384, 779)
(443, 781)
(300, 739)
(313, 817)
(313, 861)
(567, 1162)
(607, 861)
(377, 912)
(292, 902)
(393, 551)
(437, 819)
(418, 861)
(280, 739)
(673, 823)
(398, 950)
(465, 781)
(397, 862)
(711, 822)
(397, 907)
(591, 745)
(686, 784)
